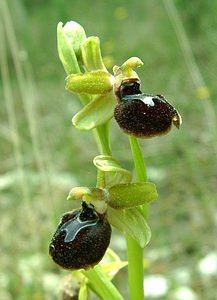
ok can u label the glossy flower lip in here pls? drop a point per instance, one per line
(148, 100)
(81, 238)
(144, 115)
(72, 227)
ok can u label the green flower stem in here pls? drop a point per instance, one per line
(101, 284)
(101, 134)
(134, 251)
(140, 167)
(135, 269)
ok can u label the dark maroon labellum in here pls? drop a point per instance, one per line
(81, 238)
(144, 115)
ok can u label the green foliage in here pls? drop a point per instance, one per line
(131, 222)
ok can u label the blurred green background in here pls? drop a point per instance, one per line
(43, 156)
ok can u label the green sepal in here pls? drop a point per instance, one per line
(115, 173)
(91, 54)
(111, 263)
(132, 222)
(76, 36)
(94, 82)
(66, 52)
(131, 194)
(95, 113)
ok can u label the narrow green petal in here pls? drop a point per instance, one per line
(94, 82)
(91, 54)
(115, 173)
(90, 193)
(107, 163)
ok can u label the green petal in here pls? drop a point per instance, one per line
(107, 163)
(89, 193)
(131, 194)
(91, 54)
(94, 195)
(132, 222)
(94, 82)
(115, 173)
(95, 113)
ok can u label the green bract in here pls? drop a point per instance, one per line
(132, 222)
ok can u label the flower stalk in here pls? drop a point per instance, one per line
(98, 83)
(115, 200)
(134, 251)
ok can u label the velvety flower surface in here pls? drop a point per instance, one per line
(81, 238)
(144, 115)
